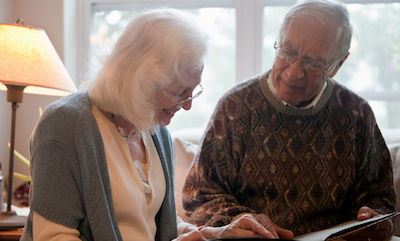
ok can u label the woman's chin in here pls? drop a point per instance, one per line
(164, 122)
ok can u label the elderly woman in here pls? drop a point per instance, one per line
(102, 159)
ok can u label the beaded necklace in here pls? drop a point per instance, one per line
(116, 126)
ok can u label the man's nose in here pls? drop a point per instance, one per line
(295, 70)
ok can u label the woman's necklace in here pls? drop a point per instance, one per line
(116, 126)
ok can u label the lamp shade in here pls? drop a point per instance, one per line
(27, 58)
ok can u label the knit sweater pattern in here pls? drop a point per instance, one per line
(307, 169)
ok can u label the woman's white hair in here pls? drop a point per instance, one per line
(158, 48)
(326, 12)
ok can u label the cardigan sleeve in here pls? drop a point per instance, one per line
(56, 178)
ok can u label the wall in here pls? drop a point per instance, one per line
(6, 12)
(49, 15)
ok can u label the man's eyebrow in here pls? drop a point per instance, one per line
(317, 58)
(288, 44)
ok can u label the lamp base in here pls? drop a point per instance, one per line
(11, 221)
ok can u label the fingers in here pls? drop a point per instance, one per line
(249, 226)
(384, 227)
(366, 213)
(248, 222)
(277, 231)
(367, 235)
(379, 231)
(266, 222)
(284, 233)
(194, 235)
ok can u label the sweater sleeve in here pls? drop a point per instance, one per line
(209, 191)
(373, 186)
(55, 178)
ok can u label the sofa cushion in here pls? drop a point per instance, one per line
(186, 145)
(392, 139)
(395, 153)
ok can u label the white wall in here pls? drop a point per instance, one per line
(49, 15)
(6, 13)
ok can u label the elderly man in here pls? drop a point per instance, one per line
(294, 147)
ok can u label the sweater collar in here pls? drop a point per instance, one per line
(310, 105)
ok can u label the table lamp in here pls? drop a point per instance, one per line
(28, 61)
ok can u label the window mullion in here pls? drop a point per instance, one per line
(380, 96)
(249, 38)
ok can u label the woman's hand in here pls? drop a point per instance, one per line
(193, 235)
(377, 232)
(248, 226)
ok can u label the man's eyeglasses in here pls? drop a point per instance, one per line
(195, 93)
(307, 63)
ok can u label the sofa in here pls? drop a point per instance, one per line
(186, 144)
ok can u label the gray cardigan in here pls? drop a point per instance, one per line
(70, 182)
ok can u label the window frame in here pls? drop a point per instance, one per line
(248, 63)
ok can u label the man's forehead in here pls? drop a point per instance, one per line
(310, 34)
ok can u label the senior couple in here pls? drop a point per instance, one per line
(285, 153)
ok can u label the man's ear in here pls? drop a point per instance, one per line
(338, 66)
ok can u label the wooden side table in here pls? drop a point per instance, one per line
(14, 235)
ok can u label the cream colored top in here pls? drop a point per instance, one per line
(138, 189)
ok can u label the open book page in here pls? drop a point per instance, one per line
(344, 229)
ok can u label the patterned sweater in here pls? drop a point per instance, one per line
(307, 169)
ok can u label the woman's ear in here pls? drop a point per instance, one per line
(338, 66)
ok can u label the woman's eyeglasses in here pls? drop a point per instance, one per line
(195, 93)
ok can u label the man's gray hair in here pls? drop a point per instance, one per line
(325, 11)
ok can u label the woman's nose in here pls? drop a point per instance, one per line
(187, 105)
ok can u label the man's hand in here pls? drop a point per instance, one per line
(276, 231)
(377, 232)
(248, 226)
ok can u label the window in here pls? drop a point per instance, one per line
(373, 66)
(243, 33)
